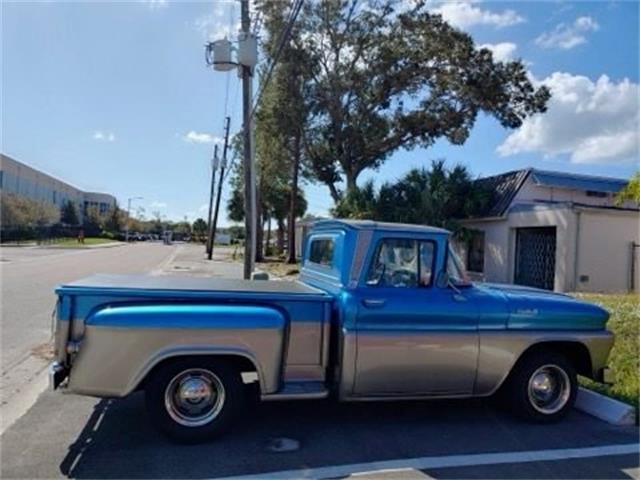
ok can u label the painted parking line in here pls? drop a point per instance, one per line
(422, 463)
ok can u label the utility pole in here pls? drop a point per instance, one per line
(223, 165)
(218, 54)
(214, 167)
(249, 178)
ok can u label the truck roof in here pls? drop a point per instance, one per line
(372, 225)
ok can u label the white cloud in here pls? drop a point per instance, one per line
(502, 52)
(157, 204)
(464, 14)
(204, 207)
(104, 136)
(569, 36)
(218, 24)
(592, 122)
(200, 137)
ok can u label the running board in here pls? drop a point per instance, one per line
(299, 391)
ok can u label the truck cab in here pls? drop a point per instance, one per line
(387, 279)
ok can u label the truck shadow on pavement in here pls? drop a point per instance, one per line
(118, 440)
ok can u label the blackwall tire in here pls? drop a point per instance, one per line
(543, 387)
(194, 399)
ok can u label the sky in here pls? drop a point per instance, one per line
(116, 96)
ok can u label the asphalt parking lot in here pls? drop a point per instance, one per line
(70, 436)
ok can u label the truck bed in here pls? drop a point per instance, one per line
(185, 286)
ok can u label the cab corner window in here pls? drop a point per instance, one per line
(401, 263)
(427, 262)
(321, 251)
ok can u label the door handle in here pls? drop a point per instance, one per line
(373, 302)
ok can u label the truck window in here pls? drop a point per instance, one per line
(321, 251)
(402, 263)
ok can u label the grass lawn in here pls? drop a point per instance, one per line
(73, 242)
(624, 359)
(277, 267)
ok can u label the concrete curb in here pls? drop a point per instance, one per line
(17, 405)
(85, 247)
(18, 245)
(605, 408)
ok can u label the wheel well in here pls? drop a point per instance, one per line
(575, 352)
(242, 364)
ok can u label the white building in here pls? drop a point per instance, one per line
(20, 179)
(558, 231)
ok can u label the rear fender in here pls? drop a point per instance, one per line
(123, 343)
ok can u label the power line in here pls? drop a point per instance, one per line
(258, 23)
(234, 103)
(284, 38)
(226, 89)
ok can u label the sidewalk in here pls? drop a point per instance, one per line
(33, 245)
(190, 259)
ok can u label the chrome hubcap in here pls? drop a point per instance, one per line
(549, 389)
(194, 397)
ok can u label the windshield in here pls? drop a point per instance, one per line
(455, 269)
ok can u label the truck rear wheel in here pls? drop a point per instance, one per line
(543, 387)
(194, 399)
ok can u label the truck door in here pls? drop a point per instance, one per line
(413, 337)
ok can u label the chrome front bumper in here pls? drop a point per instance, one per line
(57, 374)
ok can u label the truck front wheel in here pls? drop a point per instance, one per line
(543, 387)
(194, 399)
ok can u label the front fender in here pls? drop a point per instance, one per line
(500, 351)
(122, 343)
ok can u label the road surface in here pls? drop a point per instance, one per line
(65, 435)
(29, 276)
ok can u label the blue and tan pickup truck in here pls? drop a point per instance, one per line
(381, 312)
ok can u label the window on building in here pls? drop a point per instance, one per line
(591, 193)
(55, 197)
(402, 263)
(475, 252)
(321, 251)
(1, 178)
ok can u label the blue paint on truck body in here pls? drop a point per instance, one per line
(187, 316)
(476, 306)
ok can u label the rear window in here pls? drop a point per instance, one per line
(321, 251)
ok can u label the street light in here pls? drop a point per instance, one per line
(126, 235)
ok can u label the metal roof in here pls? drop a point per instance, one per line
(370, 225)
(575, 181)
(504, 187)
